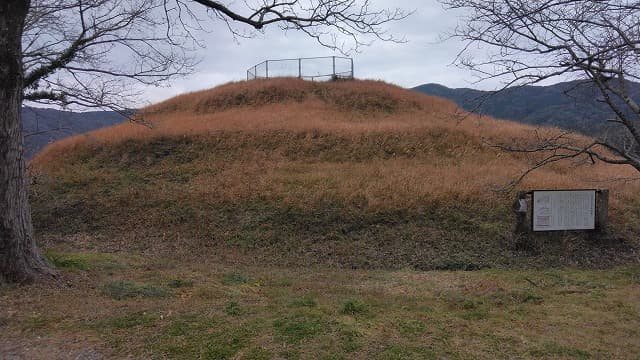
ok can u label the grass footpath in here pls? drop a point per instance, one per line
(138, 307)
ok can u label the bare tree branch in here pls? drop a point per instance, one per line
(531, 41)
(94, 52)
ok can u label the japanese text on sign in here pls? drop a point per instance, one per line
(564, 210)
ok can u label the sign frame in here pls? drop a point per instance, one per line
(596, 225)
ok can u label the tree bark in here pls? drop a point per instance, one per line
(20, 260)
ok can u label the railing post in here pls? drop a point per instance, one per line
(299, 68)
(334, 66)
(602, 209)
(267, 68)
(352, 68)
(520, 208)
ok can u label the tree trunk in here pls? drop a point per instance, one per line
(20, 260)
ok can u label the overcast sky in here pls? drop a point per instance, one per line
(422, 59)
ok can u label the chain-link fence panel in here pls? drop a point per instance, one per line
(314, 69)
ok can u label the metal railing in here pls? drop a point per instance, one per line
(312, 68)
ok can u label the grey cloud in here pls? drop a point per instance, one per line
(422, 59)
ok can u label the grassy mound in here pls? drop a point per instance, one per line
(346, 96)
(355, 174)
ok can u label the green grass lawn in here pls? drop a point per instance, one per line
(116, 306)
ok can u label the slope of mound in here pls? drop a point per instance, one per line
(353, 174)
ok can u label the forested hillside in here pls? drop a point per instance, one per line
(43, 126)
(569, 105)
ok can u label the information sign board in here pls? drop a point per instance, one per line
(564, 210)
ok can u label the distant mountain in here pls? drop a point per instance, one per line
(569, 105)
(44, 126)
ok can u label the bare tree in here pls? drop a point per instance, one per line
(531, 41)
(93, 53)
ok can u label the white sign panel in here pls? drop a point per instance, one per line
(564, 210)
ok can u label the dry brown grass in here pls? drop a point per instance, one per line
(456, 165)
(358, 174)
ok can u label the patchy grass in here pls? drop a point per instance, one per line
(67, 261)
(235, 279)
(232, 308)
(131, 321)
(120, 290)
(402, 314)
(306, 301)
(292, 220)
(354, 307)
(179, 283)
(296, 328)
(82, 260)
(553, 349)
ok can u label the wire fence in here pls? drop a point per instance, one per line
(314, 68)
